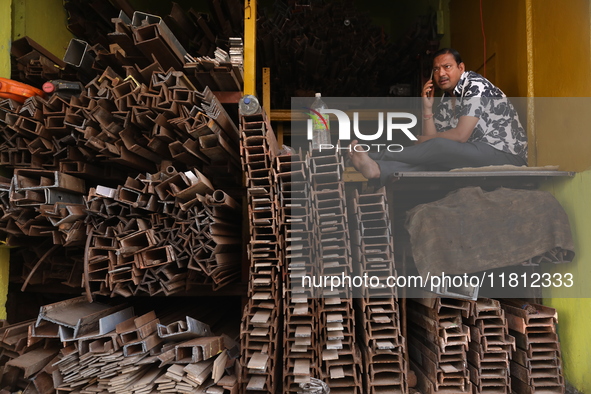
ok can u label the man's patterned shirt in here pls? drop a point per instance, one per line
(498, 123)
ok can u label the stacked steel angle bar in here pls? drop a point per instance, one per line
(438, 344)
(340, 364)
(261, 323)
(378, 312)
(300, 309)
(490, 348)
(92, 348)
(536, 366)
(484, 346)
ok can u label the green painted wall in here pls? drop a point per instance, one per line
(42, 20)
(5, 38)
(5, 23)
(574, 318)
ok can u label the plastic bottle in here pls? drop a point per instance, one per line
(249, 105)
(320, 124)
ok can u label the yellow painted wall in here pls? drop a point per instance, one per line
(5, 38)
(44, 21)
(562, 68)
(574, 317)
(558, 65)
(505, 30)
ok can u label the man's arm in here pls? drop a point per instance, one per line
(461, 133)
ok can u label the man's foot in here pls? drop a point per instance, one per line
(363, 163)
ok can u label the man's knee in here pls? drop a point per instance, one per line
(441, 142)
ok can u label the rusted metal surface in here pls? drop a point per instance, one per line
(135, 116)
(99, 133)
(341, 358)
(300, 308)
(536, 366)
(491, 347)
(438, 344)
(115, 355)
(382, 343)
(187, 239)
(260, 334)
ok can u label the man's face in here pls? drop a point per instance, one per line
(447, 72)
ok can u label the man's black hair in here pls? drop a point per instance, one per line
(445, 51)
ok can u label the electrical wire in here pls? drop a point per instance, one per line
(483, 39)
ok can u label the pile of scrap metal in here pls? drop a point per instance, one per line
(136, 144)
(80, 347)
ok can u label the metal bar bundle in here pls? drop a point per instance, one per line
(140, 38)
(438, 344)
(35, 64)
(536, 366)
(491, 347)
(133, 122)
(119, 126)
(109, 349)
(341, 358)
(300, 341)
(47, 205)
(383, 345)
(23, 359)
(48, 265)
(293, 47)
(116, 127)
(161, 233)
(260, 331)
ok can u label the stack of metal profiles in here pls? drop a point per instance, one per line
(187, 236)
(438, 344)
(116, 127)
(301, 329)
(491, 347)
(536, 366)
(260, 331)
(341, 358)
(378, 313)
(82, 347)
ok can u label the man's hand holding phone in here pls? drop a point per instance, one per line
(428, 96)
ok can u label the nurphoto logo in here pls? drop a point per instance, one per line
(389, 121)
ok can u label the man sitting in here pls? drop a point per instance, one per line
(474, 125)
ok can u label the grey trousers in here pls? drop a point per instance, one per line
(440, 154)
